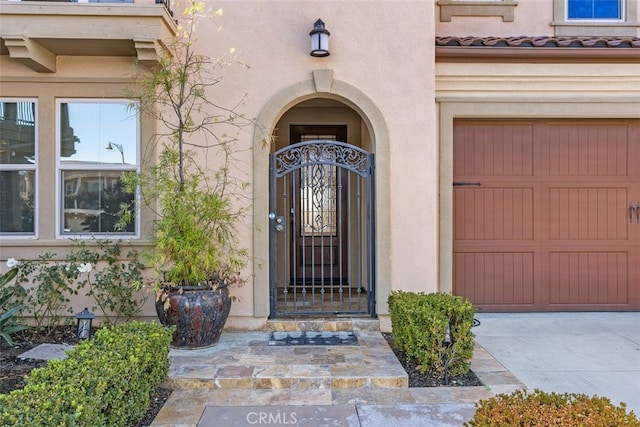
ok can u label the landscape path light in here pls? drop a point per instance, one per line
(85, 319)
(448, 342)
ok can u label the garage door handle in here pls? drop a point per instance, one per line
(466, 184)
(633, 212)
(638, 213)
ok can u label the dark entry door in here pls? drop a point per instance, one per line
(319, 215)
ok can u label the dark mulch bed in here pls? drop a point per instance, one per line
(429, 379)
(13, 370)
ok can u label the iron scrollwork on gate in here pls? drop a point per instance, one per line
(322, 152)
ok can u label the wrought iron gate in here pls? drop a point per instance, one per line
(322, 230)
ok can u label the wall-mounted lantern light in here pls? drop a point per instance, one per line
(85, 318)
(319, 39)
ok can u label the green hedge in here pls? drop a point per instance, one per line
(551, 410)
(419, 324)
(105, 381)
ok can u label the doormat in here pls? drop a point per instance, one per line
(313, 338)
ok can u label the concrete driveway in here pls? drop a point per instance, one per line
(590, 353)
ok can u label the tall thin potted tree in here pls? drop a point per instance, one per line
(195, 251)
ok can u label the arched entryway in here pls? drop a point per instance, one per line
(321, 212)
(321, 100)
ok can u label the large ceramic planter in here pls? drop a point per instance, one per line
(198, 313)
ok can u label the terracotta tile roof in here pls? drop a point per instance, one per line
(540, 41)
(538, 49)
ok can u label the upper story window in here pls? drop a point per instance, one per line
(18, 166)
(595, 9)
(596, 18)
(97, 142)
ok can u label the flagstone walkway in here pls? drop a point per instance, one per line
(243, 370)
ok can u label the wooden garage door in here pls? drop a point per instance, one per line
(554, 223)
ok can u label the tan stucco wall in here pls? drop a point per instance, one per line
(94, 78)
(370, 64)
(486, 18)
(383, 72)
(382, 68)
(530, 18)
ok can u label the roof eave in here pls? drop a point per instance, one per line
(532, 54)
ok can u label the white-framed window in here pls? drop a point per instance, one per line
(596, 18)
(599, 10)
(97, 141)
(18, 167)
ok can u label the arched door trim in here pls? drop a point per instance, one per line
(374, 121)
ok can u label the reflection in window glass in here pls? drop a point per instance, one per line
(17, 167)
(17, 191)
(98, 132)
(92, 201)
(98, 143)
(594, 9)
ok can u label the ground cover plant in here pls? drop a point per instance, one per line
(521, 408)
(8, 308)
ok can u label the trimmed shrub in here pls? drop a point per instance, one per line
(105, 381)
(419, 323)
(550, 409)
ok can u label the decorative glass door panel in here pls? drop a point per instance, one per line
(318, 200)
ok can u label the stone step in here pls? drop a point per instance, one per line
(247, 361)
